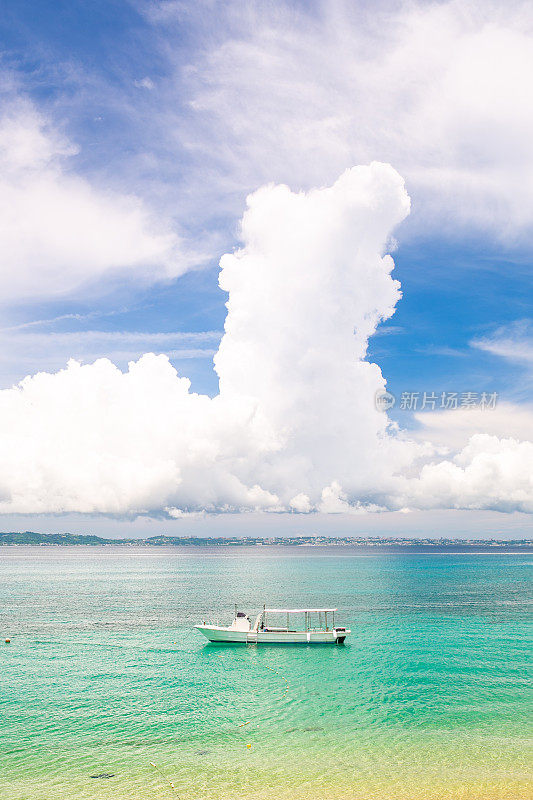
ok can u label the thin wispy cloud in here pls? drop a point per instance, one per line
(443, 350)
(284, 93)
(43, 323)
(60, 232)
(26, 351)
(296, 93)
(512, 342)
(389, 330)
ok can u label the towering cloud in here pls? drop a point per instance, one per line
(305, 293)
(295, 414)
(294, 426)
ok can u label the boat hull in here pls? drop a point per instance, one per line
(219, 634)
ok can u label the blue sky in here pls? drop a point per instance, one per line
(189, 107)
(454, 291)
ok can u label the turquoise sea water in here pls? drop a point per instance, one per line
(104, 674)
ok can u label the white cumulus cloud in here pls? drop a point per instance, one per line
(294, 426)
(453, 428)
(295, 411)
(488, 473)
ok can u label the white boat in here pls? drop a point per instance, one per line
(316, 628)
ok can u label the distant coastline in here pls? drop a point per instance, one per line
(30, 538)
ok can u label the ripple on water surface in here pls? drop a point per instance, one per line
(104, 675)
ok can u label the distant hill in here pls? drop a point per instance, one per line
(29, 537)
(390, 543)
(32, 538)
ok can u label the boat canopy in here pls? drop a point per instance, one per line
(298, 610)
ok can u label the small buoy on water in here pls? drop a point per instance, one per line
(249, 746)
(8, 641)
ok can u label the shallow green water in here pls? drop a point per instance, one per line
(104, 675)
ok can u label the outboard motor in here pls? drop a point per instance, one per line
(340, 635)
